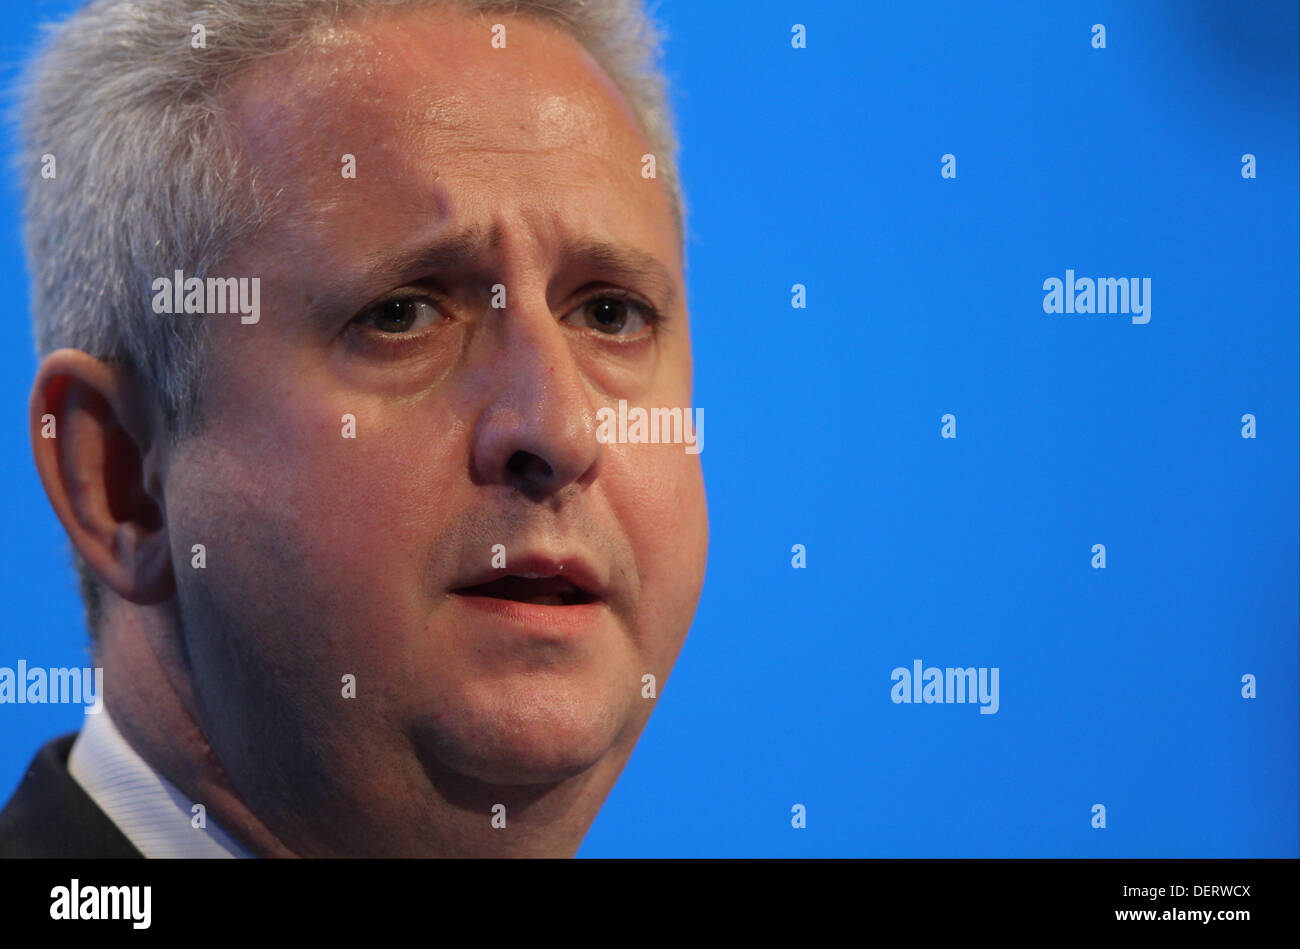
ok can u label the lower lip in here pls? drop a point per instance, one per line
(536, 617)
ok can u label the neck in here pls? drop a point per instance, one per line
(151, 709)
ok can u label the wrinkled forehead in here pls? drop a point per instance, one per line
(401, 87)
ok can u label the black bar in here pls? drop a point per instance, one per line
(327, 898)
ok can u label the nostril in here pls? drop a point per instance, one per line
(525, 464)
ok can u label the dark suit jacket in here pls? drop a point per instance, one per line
(51, 816)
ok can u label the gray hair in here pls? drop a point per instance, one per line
(149, 178)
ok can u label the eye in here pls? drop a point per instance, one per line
(615, 316)
(399, 315)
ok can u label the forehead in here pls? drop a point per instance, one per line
(440, 122)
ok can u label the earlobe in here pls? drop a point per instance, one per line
(93, 438)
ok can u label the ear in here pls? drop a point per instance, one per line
(98, 444)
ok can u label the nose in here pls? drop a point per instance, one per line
(537, 431)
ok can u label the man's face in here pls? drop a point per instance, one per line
(476, 169)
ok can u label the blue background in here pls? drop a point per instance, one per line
(821, 166)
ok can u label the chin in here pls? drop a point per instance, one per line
(530, 737)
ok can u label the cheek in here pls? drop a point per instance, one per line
(310, 533)
(657, 493)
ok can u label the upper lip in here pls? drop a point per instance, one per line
(573, 568)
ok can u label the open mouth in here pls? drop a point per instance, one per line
(541, 591)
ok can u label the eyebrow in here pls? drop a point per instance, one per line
(471, 248)
(447, 252)
(628, 262)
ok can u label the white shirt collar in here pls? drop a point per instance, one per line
(151, 811)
